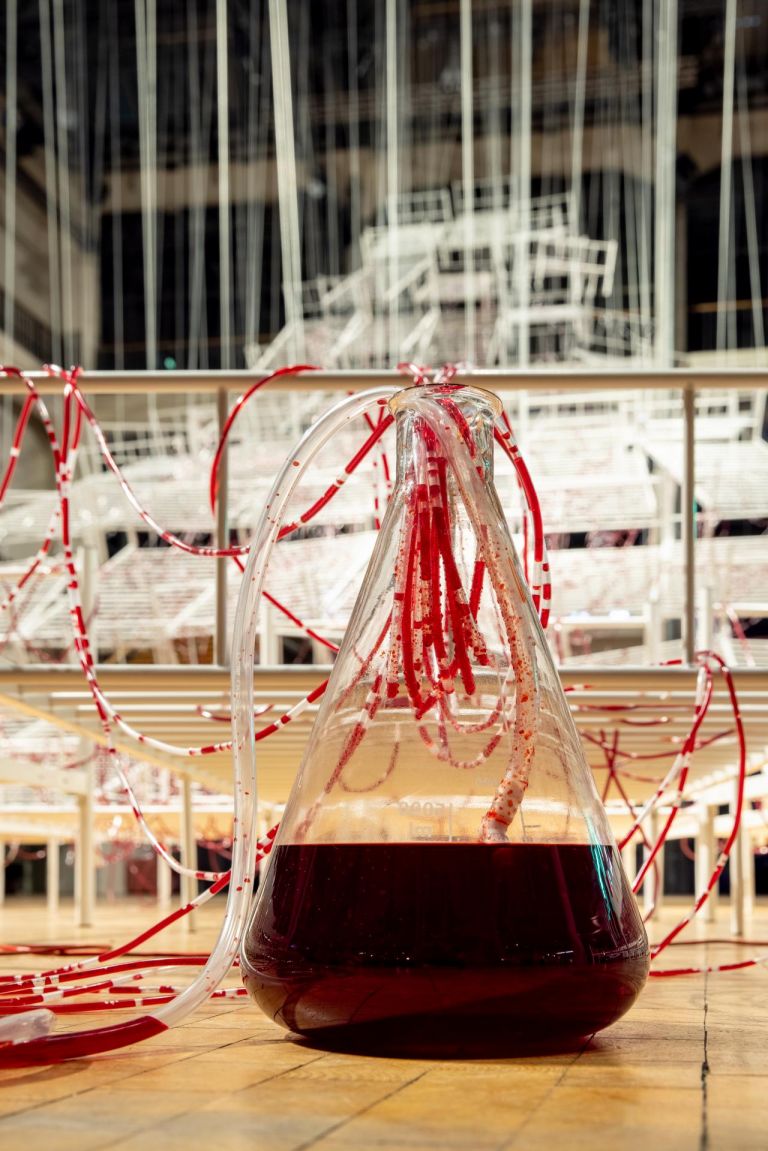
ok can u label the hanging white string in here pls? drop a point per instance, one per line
(468, 177)
(116, 190)
(310, 243)
(750, 209)
(257, 127)
(726, 177)
(666, 156)
(287, 183)
(197, 193)
(579, 97)
(331, 168)
(51, 196)
(353, 103)
(62, 147)
(225, 240)
(146, 78)
(628, 149)
(11, 118)
(393, 176)
(522, 46)
(495, 119)
(99, 130)
(646, 163)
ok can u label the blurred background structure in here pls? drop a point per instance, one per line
(213, 183)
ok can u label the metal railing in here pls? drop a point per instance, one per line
(688, 383)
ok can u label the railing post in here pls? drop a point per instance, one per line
(706, 856)
(188, 843)
(220, 633)
(52, 876)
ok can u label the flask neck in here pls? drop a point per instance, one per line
(470, 414)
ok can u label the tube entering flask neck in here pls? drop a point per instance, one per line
(470, 413)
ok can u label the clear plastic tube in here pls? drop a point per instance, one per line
(23, 1028)
(25, 1038)
(244, 746)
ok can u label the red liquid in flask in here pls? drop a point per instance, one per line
(445, 947)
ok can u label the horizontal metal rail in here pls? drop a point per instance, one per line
(156, 680)
(687, 381)
(208, 383)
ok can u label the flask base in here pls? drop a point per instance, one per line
(439, 946)
(438, 1012)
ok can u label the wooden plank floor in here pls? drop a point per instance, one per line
(687, 1070)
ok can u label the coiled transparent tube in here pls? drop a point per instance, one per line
(25, 1040)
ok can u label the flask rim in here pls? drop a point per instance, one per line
(406, 396)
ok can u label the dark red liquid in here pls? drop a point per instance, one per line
(441, 947)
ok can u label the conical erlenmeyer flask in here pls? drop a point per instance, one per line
(444, 874)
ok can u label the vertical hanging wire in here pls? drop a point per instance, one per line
(241, 179)
(579, 97)
(494, 129)
(51, 182)
(201, 116)
(146, 75)
(468, 176)
(405, 101)
(613, 185)
(225, 238)
(11, 112)
(310, 241)
(93, 194)
(523, 48)
(633, 174)
(287, 185)
(256, 189)
(750, 209)
(331, 168)
(646, 163)
(353, 103)
(163, 99)
(179, 276)
(116, 187)
(99, 128)
(174, 64)
(206, 121)
(65, 209)
(628, 148)
(430, 111)
(731, 295)
(77, 69)
(266, 115)
(381, 265)
(196, 225)
(724, 245)
(494, 132)
(510, 256)
(393, 176)
(666, 138)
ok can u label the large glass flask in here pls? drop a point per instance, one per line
(444, 875)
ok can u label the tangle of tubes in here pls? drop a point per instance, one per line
(96, 981)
